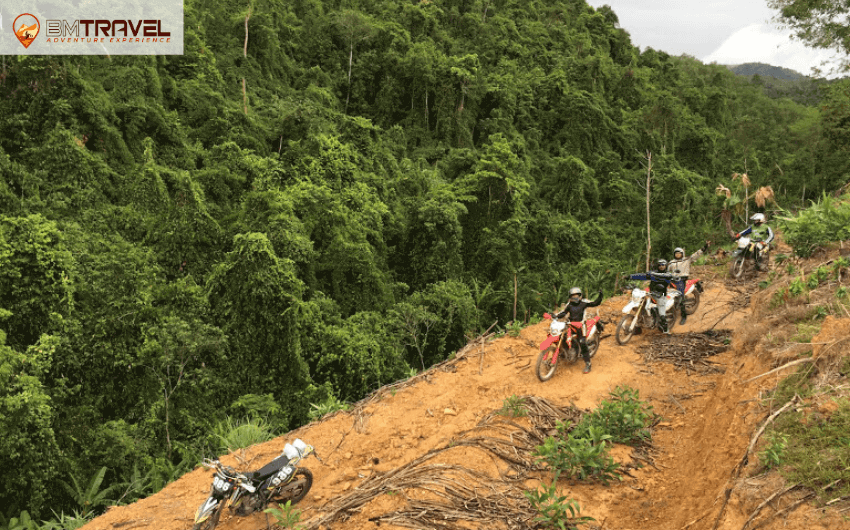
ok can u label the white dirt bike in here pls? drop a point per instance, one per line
(642, 312)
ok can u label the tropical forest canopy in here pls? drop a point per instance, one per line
(300, 212)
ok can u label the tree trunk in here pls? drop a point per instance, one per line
(350, 61)
(648, 182)
(245, 54)
(515, 293)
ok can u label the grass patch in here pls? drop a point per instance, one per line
(816, 455)
(806, 331)
(796, 383)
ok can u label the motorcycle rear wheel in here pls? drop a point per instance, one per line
(593, 345)
(622, 333)
(692, 302)
(212, 520)
(295, 490)
(545, 367)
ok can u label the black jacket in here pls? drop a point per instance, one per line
(576, 311)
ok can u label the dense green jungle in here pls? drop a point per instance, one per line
(323, 196)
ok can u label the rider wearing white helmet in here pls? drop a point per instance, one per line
(575, 309)
(680, 267)
(761, 234)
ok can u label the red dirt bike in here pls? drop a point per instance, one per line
(559, 343)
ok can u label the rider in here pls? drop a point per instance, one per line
(659, 281)
(575, 310)
(680, 266)
(761, 234)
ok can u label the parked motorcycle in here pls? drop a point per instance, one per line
(642, 312)
(279, 481)
(746, 251)
(559, 343)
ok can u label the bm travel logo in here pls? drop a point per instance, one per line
(26, 28)
(71, 27)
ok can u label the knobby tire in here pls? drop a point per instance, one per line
(295, 490)
(212, 520)
(545, 369)
(622, 334)
(692, 302)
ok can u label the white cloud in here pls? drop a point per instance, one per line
(759, 43)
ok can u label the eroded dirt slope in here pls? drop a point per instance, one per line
(708, 422)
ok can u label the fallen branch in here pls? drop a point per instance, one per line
(789, 509)
(769, 420)
(792, 363)
(758, 509)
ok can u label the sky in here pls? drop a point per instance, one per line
(721, 31)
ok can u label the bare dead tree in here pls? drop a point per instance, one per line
(647, 163)
(245, 55)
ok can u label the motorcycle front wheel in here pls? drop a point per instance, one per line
(692, 302)
(212, 520)
(673, 317)
(736, 267)
(622, 334)
(545, 367)
(295, 490)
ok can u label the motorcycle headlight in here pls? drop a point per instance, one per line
(555, 328)
(636, 297)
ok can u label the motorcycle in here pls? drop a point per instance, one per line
(279, 481)
(559, 343)
(646, 315)
(746, 251)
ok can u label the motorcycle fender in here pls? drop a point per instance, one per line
(548, 342)
(629, 307)
(206, 510)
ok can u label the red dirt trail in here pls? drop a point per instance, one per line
(707, 425)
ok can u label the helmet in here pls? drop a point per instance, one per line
(757, 218)
(679, 250)
(575, 295)
(661, 265)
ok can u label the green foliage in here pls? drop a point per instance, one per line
(579, 458)
(514, 328)
(328, 406)
(824, 221)
(513, 406)
(816, 451)
(797, 287)
(773, 453)
(625, 418)
(233, 434)
(286, 516)
(554, 510)
(805, 331)
(90, 496)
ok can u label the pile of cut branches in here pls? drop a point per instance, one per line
(688, 351)
(440, 495)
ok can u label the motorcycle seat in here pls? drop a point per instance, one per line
(269, 469)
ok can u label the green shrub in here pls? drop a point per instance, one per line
(797, 287)
(579, 457)
(513, 328)
(771, 456)
(625, 418)
(513, 406)
(329, 405)
(555, 511)
(286, 516)
(237, 434)
(824, 221)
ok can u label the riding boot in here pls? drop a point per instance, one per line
(684, 313)
(585, 354)
(663, 324)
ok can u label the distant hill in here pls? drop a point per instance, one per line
(766, 70)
